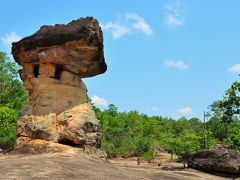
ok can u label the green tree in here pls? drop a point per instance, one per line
(233, 140)
(229, 106)
(112, 109)
(12, 92)
(217, 128)
(187, 143)
(171, 145)
(7, 127)
(12, 98)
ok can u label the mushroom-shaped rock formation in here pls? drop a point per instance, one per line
(54, 59)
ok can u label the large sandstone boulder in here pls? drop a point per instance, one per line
(219, 159)
(54, 60)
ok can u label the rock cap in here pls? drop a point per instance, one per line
(77, 47)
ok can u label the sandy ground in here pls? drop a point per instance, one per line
(71, 166)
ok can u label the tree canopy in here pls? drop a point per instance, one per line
(229, 107)
(129, 134)
(12, 92)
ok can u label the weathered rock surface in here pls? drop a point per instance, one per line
(77, 126)
(74, 163)
(54, 60)
(219, 159)
(76, 47)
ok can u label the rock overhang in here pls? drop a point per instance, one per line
(77, 47)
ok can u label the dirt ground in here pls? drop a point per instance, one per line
(78, 166)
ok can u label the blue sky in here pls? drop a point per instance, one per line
(170, 57)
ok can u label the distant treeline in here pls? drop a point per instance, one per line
(127, 134)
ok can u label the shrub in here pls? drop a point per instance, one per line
(7, 127)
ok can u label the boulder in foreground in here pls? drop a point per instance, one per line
(219, 159)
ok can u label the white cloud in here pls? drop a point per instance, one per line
(130, 23)
(8, 39)
(139, 23)
(179, 64)
(99, 101)
(172, 21)
(156, 109)
(185, 111)
(174, 14)
(116, 29)
(234, 69)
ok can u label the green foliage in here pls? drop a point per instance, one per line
(12, 98)
(12, 92)
(7, 127)
(112, 110)
(188, 142)
(225, 120)
(127, 134)
(233, 140)
(217, 128)
(148, 156)
(229, 106)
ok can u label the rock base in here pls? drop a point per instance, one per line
(26, 145)
(77, 126)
